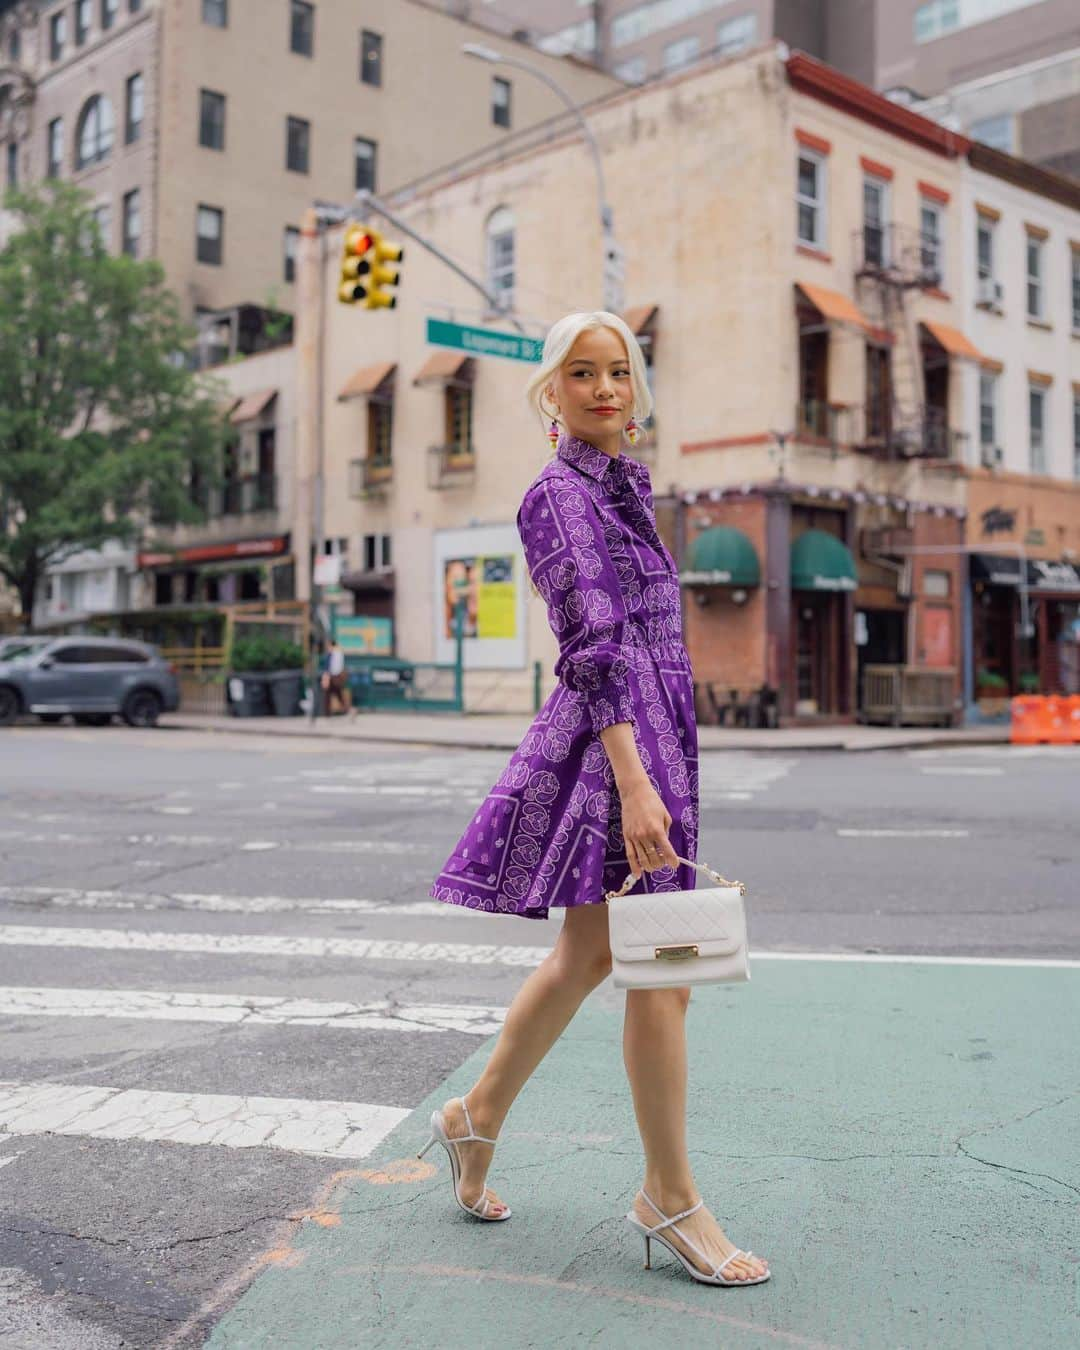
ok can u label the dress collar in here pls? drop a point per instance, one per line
(586, 457)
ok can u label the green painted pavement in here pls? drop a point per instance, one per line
(901, 1141)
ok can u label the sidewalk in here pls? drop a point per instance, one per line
(497, 731)
(880, 1130)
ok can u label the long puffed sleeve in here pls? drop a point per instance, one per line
(570, 566)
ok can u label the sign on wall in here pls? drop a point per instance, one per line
(484, 341)
(481, 568)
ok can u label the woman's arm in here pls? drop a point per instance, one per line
(645, 818)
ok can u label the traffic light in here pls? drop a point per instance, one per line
(364, 271)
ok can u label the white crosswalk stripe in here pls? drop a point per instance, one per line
(255, 944)
(62, 897)
(327, 1128)
(249, 1010)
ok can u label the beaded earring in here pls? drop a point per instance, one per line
(633, 431)
(553, 433)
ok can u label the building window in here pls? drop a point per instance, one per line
(1035, 297)
(810, 198)
(14, 45)
(298, 144)
(988, 396)
(133, 109)
(735, 35)
(292, 243)
(371, 45)
(632, 71)
(82, 21)
(459, 404)
(936, 18)
(210, 229)
(997, 132)
(875, 194)
(109, 11)
(12, 164)
(878, 393)
(1074, 255)
(380, 430)
(632, 25)
(1076, 433)
(216, 13)
(302, 28)
(364, 164)
(134, 6)
(984, 248)
(375, 552)
(211, 119)
(57, 36)
(681, 52)
(103, 219)
(94, 136)
(132, 223)
(932, 242)
(1037, 427)
(500, 256)
(55, 147)
(500, 101)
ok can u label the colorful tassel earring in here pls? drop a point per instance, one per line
(633, 431)
(553, 433)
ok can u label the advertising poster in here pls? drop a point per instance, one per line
(487, 587)
(482, 568)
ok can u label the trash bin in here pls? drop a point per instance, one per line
(247, 694)
(286, 690)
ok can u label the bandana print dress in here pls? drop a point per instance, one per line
(549, 832)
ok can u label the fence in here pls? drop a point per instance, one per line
(908, 695)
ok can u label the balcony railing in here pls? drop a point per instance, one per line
(238, 496)
(881, 429)
(376, 473)
(451, 466)
(898, 255)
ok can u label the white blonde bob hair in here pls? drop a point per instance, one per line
(557, 346)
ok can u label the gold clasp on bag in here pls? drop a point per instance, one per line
(676, 953)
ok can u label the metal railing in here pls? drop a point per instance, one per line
(897, 254)
(376, 473)
(451, 466)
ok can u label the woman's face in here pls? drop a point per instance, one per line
(592, 389)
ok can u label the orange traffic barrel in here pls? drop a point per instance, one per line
(1029, 724)
(1056, 721)
(1072, 718)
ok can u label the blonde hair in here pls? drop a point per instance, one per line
(557, 345)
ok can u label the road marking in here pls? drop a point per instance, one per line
(326, 1128)
(259, 845)
(983, 771)
(903, 834)
(9, 1158)
(917, 960)
(254, 944)
(249, 1009)
(174, 810)
(216, 840)
(60, 897)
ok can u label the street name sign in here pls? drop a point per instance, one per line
(483, 341)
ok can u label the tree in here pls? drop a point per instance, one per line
(103, 427)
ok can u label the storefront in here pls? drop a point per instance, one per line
(1025, 626)
(222, 574)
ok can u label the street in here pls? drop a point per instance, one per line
(223, 985)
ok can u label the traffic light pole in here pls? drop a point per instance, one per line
(364, 203)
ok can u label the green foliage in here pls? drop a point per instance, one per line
(991, 681)
(100, 420)
(1029, 682)
(266, 652)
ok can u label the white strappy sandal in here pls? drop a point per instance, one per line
(438, 1132)
(650, 1233)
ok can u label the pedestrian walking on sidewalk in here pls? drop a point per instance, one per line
(605, 779)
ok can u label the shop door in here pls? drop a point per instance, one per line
(814, 641)
(884, 645)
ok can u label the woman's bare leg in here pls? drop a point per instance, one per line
(540, 1012)
(654, 1052)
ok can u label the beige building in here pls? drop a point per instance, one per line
(793, 258)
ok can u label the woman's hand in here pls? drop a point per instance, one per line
(645, 824)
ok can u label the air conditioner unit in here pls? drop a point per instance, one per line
(989, 292)
(992, 456)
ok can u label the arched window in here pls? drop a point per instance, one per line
(94, 139)
(500, 255)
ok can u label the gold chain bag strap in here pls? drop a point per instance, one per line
(666, 939)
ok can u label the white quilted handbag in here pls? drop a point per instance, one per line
(664, 939)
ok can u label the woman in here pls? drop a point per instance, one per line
(605, 778)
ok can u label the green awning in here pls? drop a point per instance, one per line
(722, 556)
(821, 562)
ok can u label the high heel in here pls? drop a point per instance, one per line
(653, 1233)
(439, 1134)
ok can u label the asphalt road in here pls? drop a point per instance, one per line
(221, 980)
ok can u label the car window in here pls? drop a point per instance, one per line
(118, 655)
(73, 655)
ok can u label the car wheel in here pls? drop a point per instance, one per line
(9, 706)
(93, 719)
(142, 708)
(51, 719)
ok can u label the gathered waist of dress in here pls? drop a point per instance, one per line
(644, 657)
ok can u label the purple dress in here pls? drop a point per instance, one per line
(550, 831)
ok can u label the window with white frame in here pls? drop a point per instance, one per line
(292, 244)
(1036, 300)
(500, 255)
(1074, 256)
(94, 136)
(375, 552)
(632, 25)
(1076, 433)
(988, 405)
(997, 132)
(735, 35)
(681, 52)
(937, 18)
(984, 247)
(875, 221)
(810, 198)
(932, 241)
(56, 147)
(1037, 433)
(132, 223)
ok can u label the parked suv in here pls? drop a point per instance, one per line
(91, 678)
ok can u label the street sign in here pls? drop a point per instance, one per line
(483, 341)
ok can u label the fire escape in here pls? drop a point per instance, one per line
(905, 415)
